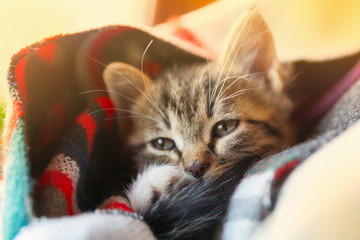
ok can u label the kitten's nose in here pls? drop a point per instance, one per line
(197, 169)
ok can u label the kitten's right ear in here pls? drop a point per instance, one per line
(124, 83)
(250, 49)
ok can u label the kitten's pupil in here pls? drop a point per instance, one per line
(224, 127)
(163, 144)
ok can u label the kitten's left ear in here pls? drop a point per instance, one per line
(251, 49)
(124, 83)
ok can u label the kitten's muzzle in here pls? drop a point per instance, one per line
(197, 169)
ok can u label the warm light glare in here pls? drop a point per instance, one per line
(23, 22)
(311, 29)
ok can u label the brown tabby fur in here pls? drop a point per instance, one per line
(185, 103)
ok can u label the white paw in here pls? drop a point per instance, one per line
(150, 185)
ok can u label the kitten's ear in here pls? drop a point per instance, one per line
(251, 49)
(124, 83)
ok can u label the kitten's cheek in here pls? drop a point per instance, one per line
(174, 159)
(221, 145)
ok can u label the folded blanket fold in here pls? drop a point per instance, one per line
(61, 133)
(99, 225)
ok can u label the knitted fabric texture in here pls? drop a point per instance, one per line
(61, 125)
(61, 131)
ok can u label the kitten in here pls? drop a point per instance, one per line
(200, 127)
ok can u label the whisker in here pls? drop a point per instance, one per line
(133, 116)
(115, 109)
(245, 76)
(248, 151)
(110, 91)
(213, 94)
(234, 94)
(127, 111)
(95, 60)
(214, 99)
(241, 44)
(134, 83)
(235, 55)
(243, 90)
(244, 153)
(227, 58)
(142, 72)
(137, 87)
(237, 93)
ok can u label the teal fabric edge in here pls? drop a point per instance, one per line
(272, 163)
(16, 200)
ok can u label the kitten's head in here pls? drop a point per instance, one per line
(207, 117)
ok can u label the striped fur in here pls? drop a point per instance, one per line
(185, 104)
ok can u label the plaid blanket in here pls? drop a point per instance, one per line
(61, 125)
(61, 129)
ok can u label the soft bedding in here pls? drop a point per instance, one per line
(60, 130)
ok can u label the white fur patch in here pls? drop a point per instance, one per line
(155, 178)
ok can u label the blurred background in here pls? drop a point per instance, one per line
(23, 22)
(314, 29)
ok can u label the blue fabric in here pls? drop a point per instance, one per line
(17, 190)
(247, 206)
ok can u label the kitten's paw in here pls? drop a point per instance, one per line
(156, 181)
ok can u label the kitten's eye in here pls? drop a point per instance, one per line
(163, 144)
(224, 127)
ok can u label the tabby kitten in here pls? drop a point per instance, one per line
(196, 123)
